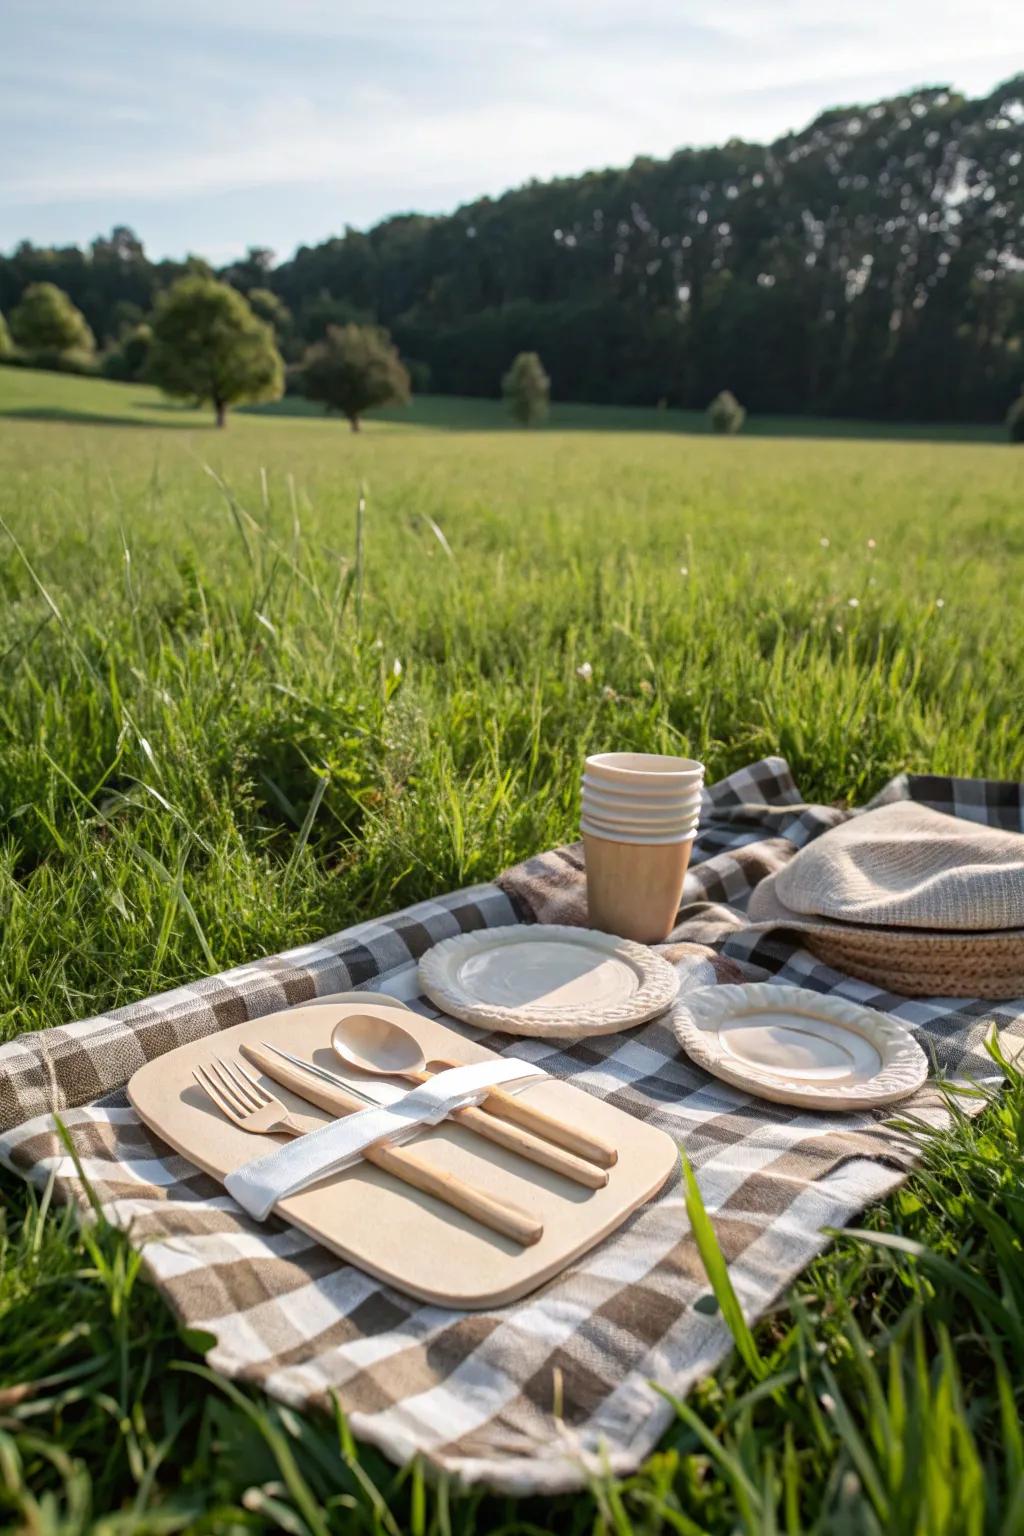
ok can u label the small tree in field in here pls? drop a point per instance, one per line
(353, 369)
(725, 413)
(46, 321)
(1015, 420)
(208, 346)
(527, 389)
(6, 344)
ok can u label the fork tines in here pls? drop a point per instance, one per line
(231, 1087)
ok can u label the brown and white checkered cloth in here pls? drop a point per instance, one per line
(528, 1397)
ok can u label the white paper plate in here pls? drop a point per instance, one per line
(799, 1047)
(549, 980)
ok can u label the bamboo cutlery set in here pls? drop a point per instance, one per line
(380, 1047)
(472, 1196)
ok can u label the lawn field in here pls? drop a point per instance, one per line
(237, 712)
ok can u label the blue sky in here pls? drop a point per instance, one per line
(210, 125)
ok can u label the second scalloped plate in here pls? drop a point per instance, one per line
(799, 1047)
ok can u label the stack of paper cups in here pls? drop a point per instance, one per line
(640, 815)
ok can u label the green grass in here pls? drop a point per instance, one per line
(189, 651)
(29, 396)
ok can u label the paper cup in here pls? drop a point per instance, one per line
(649, 770)
(634, 889)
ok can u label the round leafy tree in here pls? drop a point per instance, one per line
(1015, 420)
(725, 412)
(353, 369)
(46, 321)
(527, 389)
(208, 346)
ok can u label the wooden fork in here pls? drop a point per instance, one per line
(243, 1100)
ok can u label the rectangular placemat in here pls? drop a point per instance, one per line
(477, 1393)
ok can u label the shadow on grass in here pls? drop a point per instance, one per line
(175, 407)
(442, 413)
(56, 413)
(437, 413)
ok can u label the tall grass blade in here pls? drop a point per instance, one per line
(717, 1272)
(307, 826)
(358, 570)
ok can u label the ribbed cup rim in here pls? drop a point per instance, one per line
(635, 800)
(638, 834)
(637, 766)
(640, 823)
(642, 789)
(647, 794)
(613, 835)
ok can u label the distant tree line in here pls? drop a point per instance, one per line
(206, 343)
(871, 265)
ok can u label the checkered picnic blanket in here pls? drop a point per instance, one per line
(528, 1397)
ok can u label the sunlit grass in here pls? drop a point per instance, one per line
(222, 734)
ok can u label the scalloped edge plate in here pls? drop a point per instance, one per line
(628, 983)
(810, 1049)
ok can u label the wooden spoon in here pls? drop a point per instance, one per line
(378, 1045)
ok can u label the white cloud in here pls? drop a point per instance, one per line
(382, 104)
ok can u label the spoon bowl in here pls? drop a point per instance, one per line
(371, 1043)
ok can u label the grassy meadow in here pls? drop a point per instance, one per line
(240, 708)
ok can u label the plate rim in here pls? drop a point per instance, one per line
(658, 989)
(904, 1064)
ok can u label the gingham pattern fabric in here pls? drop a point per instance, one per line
(531, 1397)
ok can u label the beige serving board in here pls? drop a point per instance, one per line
(406, 1238)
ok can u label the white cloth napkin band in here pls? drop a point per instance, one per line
(258, 1185)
